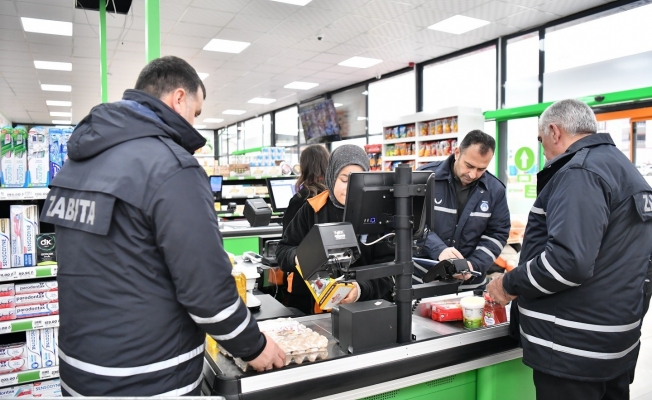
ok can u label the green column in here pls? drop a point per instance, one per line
(103, 64)
(152, 30)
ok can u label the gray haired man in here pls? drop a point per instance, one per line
(580, 281)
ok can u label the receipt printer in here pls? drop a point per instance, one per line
(257, 212)
(364, 325)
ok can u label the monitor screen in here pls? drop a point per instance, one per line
(216, 183)
(320, 122)
(281, 191)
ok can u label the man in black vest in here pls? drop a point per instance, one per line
(143, 275)
(586, 250)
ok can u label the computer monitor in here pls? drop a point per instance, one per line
(370, 203)
(216, 185)
(281, 191)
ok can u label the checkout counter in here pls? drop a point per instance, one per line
(239, 236)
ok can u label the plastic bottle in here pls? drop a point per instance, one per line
(494, 313)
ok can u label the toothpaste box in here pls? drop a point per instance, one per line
(46, 249)
(36, 310)
(14, 157)
(10, 366)
(7, 289)
(56, 346)
(5, 243)
(48, 354)
(35, 298)
(16, 391)
(36, 287)
(38, 157)
(7, 314)
(7, 302)
(65, 136)
(34, 349)
(6, 147)
(47, 388)
(24, 228)
(13, 351)
(55, 135)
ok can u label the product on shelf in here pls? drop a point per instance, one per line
(55, 138)
(37, 310)
(445, 147)
(454, 124)
(7, 314)
(7, 289)
(5, 243)
(7, 302)
(453, 145)
(14, 157)
(51, 388)
(46, 252)
(11, 366)
(446, 122)
(402, 131)
(56, 346)
(36, 298)
(48, 354)
(24, 224)
(35, 287)
(439, 127)
(34, 349)
(16, 391)
(14, 351)
(423, 129)
(411, 130)
(432, 128)
(38, 157)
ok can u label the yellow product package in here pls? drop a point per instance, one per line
(328, 292)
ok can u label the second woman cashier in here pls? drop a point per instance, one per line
(329, 207)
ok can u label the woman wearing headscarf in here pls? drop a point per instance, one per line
(329, 207)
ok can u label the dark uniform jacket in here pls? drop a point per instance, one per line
(481, 231)
(142, 272)
(585, 255)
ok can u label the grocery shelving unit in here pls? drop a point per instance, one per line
(29, 324)
(423, 133)
(34, 375)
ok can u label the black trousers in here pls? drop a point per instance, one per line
(550, 387)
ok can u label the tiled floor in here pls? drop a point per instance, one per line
(641, 389)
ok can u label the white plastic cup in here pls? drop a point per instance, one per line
(472, 311)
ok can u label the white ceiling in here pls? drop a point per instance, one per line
(284, 46)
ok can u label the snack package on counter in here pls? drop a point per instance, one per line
(33, 346)
(24, 228)
(35, 287)
(14, 351)
(410, 131)
(5, 243)
(446, 312)
(446, 122)
(454, 125)
(16, 391)
(38, 157)
(36, 298)
(48, 356)
(47, 389)
(432, 128)
(36, 310)
(11, 366)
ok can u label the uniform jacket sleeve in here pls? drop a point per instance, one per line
(433, 246)
(493, 239)
(292, 237)
(577, 217)
(188, 236)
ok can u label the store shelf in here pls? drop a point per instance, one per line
(433, 138)
(23, 193)
(400, 158)
(246, 178)
(434, 158)
(251, 196)
(401, 140)
(15, 274)
(246, 151)
(29, 324)
(29, 376)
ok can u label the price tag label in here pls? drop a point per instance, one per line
(5, 327)
(28, 194)
(41, 193)
(26, 273)
(8, 380)
(3, 194)
(8, 274)
(49, 373)
(54, 269)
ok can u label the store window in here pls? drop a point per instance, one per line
(620, 131)
(389, 99)
(267, 130)
(351, 107)
(523, 160)
(232, 140)
(643, 134)
(468, 80)
(605, 54)
(287, 127)
(522, 64)
(241, 136)
(253, 130)
(490, 129)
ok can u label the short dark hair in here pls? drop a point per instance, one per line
(476, 136)
(166, 74)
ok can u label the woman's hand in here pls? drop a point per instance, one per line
(353, 295)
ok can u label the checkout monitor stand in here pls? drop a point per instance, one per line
(351, 321)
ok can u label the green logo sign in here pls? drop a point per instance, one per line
(524, 158)
(530, 191)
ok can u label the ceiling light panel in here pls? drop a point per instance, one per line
(360, 62)
(56, 66)
(294, 2)
(261, 100)
(47, 26)
(58, 103)
(301, 85)
(61, 122)
(56, 88)
(458, 24)
(226, 46)
(233, 112)
(60, 114)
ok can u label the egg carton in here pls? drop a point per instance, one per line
(296, 358)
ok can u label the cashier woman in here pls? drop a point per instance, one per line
(327, 207)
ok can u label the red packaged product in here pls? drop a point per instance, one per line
(494, 313)
(446, 312)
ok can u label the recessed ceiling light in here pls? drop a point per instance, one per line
(56, 88)
(58, 103)
(360, 62)
(57, 66)
(301, 85)
(295, 2)
(213, 120)
(261, 100)
(226, 46)
(202, 75)
(60, 114)
(61, 122)
(337, 105)
(47, 26)
(458, 24)
(234, 112)
(199, 126)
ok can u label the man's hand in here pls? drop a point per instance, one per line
(465, 276)
(497, 292)
(352, 296)
(450, 252)
(272, 356)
